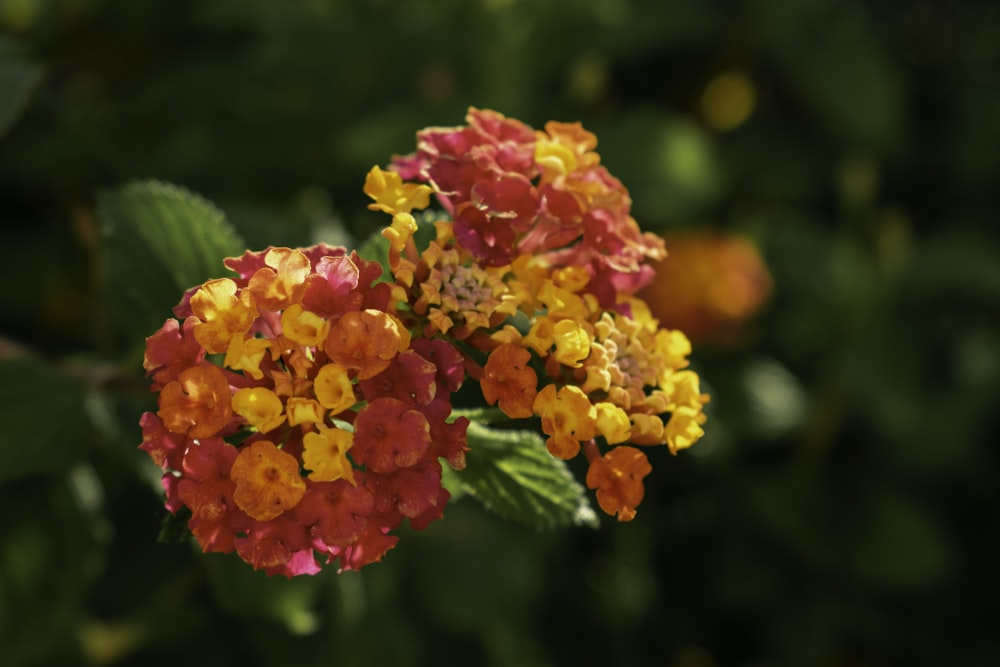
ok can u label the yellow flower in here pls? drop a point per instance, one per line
(303, 327)
(553, 156)
(245, 354)
(647, 429)
(683, 429)
(561, 303)
(567, 418)
(572, 343)
(223, 315)
(540, 337)
(566, 147)
(613, 423)
(393, 196)
(334, 389)
(400, 231)
(260, 406)
(303, 411)
(325, 454)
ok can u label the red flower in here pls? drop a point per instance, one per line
(318, 378)
(207, 490)
(167, 449)
(448, 362)
(171, 350)
(336, 512)
(409, 377)
(389, 434)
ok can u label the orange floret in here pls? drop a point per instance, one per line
(617, 476)
(197, 403)
(267, 481)
(366, 341)
(509, 382)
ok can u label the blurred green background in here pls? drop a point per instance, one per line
(842, 508)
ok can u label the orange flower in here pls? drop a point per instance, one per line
(197, 403)
(509, 382)
(278, 284)
(617, 476)
(709, 285)
(366, 340)
(267, 481)
(330, 387)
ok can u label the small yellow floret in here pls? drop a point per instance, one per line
(260, 406)
(325, 454)
(304, 327)
(334, 389)
(392, 195)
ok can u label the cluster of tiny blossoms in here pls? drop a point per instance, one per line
(305, 405)
(267, 381)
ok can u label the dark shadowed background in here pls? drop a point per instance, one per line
(841, 510)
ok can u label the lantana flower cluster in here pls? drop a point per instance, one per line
(305, 405)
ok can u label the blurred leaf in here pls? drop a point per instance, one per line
(262, 226)
(667, 162)
(895, 543)
(513, 474)
(791, 508)
(376, 249)
(465, 592)
(160, 240)
(958, 262)
(246, 592)
(17, 78)
(45, 426)
(836, 62)
(49, 555)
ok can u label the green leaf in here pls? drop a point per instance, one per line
(45, 424)
(50, 554)
(376, 249)
(17, 79)
(513, 474)
(160, 240)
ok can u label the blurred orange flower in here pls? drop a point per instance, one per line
(709, 285)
